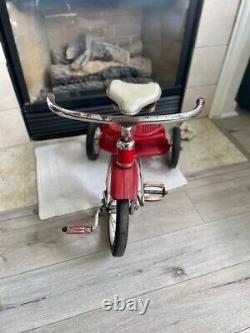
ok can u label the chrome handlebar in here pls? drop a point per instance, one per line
(123, 119)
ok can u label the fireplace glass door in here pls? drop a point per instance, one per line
(75, 48)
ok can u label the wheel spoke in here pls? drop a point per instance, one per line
(112, 223)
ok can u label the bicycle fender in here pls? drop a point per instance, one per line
(124, 181)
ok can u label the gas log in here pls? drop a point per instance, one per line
(96, 66)
(121, 72)
(134, 47)
(107, 52)
(76, 48)
(80, 86)
(76, 89)
(87, 60)
(141, 63)
(63, 74)
(101, 51)
(58, 56)
(80, 61)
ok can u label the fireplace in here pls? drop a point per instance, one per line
(75, 48)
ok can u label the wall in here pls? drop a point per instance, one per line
(216, 25)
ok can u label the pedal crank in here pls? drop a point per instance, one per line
(154, 192)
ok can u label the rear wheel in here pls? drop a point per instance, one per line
(174, 152)
(92, 141)
(118, 227)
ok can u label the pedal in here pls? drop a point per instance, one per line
(154, 192)
(77, 229)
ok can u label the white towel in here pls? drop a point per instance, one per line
(68, 182)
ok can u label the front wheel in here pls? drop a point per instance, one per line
(118, 227)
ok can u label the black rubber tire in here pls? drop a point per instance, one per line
(121, 233)
(174, 154)
(90, 148)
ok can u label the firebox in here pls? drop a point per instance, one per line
(74, 48)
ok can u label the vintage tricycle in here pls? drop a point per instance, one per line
(129, 137)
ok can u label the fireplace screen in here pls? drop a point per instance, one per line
(74, 48)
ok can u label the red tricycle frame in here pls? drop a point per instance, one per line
(128, 137)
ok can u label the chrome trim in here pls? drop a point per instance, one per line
(123, 119)
(107, 195)
(125, 145)
(126, 132)
(141, 181)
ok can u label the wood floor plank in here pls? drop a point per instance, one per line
(222, 199)
(28, 243)
(243, 137)
(55, 293)
(220, 176)
(237, 123)
(201, 176)
(217, 302)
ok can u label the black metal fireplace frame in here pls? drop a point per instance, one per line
(42, 124)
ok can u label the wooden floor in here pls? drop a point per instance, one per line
(189, 254)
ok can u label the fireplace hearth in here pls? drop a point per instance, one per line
(75, 48)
